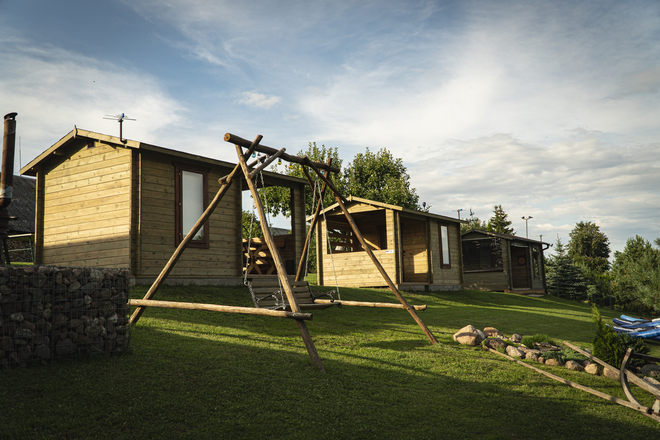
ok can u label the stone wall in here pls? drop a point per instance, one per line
(48, 313)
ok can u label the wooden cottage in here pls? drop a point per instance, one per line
(501, 262)
(418, 250)
(103, 201)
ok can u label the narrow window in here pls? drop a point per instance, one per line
(191, 200)
(445, 263)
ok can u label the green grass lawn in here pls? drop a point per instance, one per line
(206, 375)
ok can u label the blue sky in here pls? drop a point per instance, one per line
(549, 108)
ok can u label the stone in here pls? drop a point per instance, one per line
(65, 347)
(586, 363)
(514, 352)
(516, 338)
(592, 369)
(495, 343)
(553, 362)
(42, 351)
(6, 343)
(17, 317)
(74, 286)
(492, 332)
(650, 370)
(468, 335)
(530, 355)
(574, 366)
(611, 373)
(24, 333)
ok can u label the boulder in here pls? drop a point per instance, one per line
(531, 356)
(650, 370)
(553, 362)
(514, 352)
(468, 335)
(516, 338)
(592, 369)
(575, 366)
(492, 332)
(495, 343)
(611, 373)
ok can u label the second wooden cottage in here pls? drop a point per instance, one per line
(108, 202)
(418, 250)
(502, 262)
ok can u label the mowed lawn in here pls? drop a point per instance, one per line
(207, 375)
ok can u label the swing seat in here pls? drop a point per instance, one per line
(267, 293)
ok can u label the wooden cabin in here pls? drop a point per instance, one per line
(502, 262)
(103, 201)
(418, 250)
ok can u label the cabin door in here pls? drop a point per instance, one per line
(520, 267)
(415, 252)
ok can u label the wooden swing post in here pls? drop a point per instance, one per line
(279, 264)
(340, 200)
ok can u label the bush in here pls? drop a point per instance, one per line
(610, 346)
(528, 341)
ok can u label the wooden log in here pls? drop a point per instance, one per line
(218, 308)
(236, 140)
(643, 409)
(369, 304)
(629, 374)
(281, 269)
(307, 161)
(184, 243)
(267, 162)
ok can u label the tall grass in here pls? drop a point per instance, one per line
(205, 375)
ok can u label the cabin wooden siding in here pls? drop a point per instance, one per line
(454, 274)
(157, 224)
(416, 235)
(84, 215)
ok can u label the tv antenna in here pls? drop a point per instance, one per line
(119, 118)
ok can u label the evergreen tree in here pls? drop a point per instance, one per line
(564, 279)
(636, 275)
(589, 246)
(499, 222)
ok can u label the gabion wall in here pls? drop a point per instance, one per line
(48, 313)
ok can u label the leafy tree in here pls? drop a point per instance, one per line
(499, 221)
(474, 223)
(611, 346)
(636, 274)
(251, 227)
(563, 277)
(382, 178)
(589, 246)
(279, 198)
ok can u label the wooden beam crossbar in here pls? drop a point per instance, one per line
(219, 308)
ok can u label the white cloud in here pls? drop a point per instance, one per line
(255, 99)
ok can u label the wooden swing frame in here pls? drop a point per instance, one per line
(249, 172)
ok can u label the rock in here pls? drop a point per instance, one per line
(553, 362)
(495, 343)
(17, 317)
(6, 343)
(575, 366)
(514, 352)
(611, 373)
(42, 351)
(516, 338)
(74, 286)
(592, 369)
(65, 347)
(541, 360)
(650, 370)
(24, 333)
(531, 356)
(492, 332)
(586, 363)
(468, 335)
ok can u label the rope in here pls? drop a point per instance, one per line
(265, 198)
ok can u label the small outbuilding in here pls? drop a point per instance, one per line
(418, 250)
(502, 262)
(102, 201)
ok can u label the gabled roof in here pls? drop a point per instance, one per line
(503, 236)
(355, 200)
(78, 133)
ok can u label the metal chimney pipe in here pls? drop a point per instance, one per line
(7, 173)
